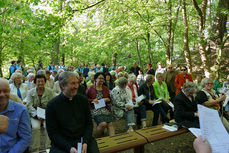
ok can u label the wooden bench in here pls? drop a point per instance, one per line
(156, 133)
(120, 142)
(136, 140)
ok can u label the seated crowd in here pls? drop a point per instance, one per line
(162, 91)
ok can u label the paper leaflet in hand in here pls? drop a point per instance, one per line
(158, 101)
(101, 103)
(79, 146)
(130, 103)
(195, 131)
(213, 130)
(171, 105)
(227, 99)
(140, 98)
(40, 112)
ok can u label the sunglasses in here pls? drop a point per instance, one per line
(183, 69)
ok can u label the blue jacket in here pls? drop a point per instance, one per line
(12, 69)
(17, 137)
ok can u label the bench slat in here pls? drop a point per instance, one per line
(157, 133)
(120, 142)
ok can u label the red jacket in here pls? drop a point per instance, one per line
(91, 95)
(180, 80)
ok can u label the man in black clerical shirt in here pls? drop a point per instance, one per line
(68, 119)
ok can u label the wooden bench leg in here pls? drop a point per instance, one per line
(139, 149)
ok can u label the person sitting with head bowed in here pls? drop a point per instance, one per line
(140, 109)
(147, 89)
(122, 108)
(185, 106)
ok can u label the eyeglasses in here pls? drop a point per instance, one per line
(101, 78)
(183, 69)
(170, 67)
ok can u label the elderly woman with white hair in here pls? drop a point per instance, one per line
(91, 81)
(185, 106)
(17, 87)
(122, 106)
(119, 75)
(140, 109)
(29, 82)
(209, 98)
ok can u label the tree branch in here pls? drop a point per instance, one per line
(197, 8)
(164, 43)
(90, 6)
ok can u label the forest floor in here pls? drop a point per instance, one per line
(176, 144)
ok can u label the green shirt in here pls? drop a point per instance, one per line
(161, 91)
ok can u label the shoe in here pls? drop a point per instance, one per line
(130, 130)
(143, 124)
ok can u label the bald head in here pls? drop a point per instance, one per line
(4, 81)
(4, 94)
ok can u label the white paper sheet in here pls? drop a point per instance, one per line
(227, 99)
(171, 105)
(170, 128)
(140, 98)
(195, 131)
(213, 130)
(40, 112)
(156, 102)
(130, 103)
(101, 103)
(79, 146)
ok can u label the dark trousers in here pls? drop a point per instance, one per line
(141, 113)
(166, 108)
(157, 110)
(91, 148)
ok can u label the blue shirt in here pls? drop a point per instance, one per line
(17, 137)
(85, 72)
(12, 69)
(79, 69)
(18, 67)
(62, 67)
(51, 67)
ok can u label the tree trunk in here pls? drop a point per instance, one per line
(1, 60)
(63, 58)
(186, 38)
(202, 42)
(138, 53)
(149, 47)
(219, 31)
(56, 52)
(168, 42)
(173, 31)
(114, 58)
